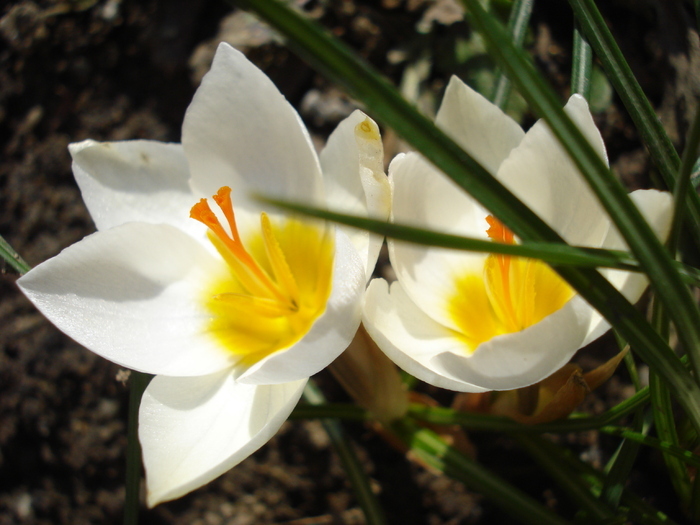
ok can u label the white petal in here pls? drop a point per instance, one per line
(542, 175)
(657, 208)
(409, 337)
(329, 335)
(194, 429)
(134, 181)
(241, 132)
(132, 295)
(355, 182)
(426, 198)
(432, 352)
(480, 127)
(522, 358)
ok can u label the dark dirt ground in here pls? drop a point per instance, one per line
(125, 69)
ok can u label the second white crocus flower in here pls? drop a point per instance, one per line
(230, 304)
(477, 322)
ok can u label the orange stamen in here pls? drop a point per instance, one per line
(223, 199)
(498, 231)
(254, 278)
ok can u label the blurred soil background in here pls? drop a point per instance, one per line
(127, 69)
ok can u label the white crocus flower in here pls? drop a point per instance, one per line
(230, 304)
(475, 322)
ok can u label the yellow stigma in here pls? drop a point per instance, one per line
(509, 295)
(277, 283)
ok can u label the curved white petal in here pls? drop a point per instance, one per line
(194, 429)
(134, 181)
(241, 132)
(522, 358)
(426, 198)
(480, 127)
(541, 174)
(434, 354)
(132, 295)
(657, 208)
(329, 335)
(408, 336)
(423, 196)
(355, 182)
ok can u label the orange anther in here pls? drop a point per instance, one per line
(498, 232)
(253, 277)
(223, 199)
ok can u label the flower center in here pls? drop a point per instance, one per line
(509, 295)
(276, 285)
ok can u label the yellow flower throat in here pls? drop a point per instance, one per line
(277, 283)
(509, 295)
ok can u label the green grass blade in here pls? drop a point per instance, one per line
(683, 183)
(666, 430)
(664, 420)
(374, 515)
(582, 65)
(685, 456)
(553, 253)
(622, 461)
(642, 241)
(12, 258)
(651, 131)
(620, 465)
(640, 511)
(596, 510)
(340, 64)
(517, 27)
(432, 450)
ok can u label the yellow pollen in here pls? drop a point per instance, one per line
(510, 294)
(277, 283)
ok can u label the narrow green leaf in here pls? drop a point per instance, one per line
(582, 65)
(517, 27)
(651, 130)
(640, 511)
(553, 253)
(432, 450)
(666, 430)
(660, 396)
(622, 461)
(374, 515)
(642, 241)
(620, 465)
(12, 258)
(340, 64)
(629, 362)
(565, 478)
(680, 453)
(683, 182)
